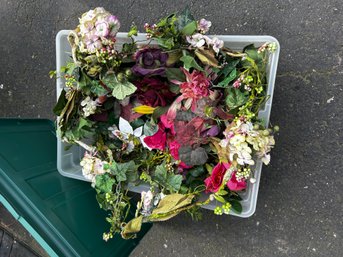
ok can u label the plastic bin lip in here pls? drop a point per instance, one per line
(68, 158)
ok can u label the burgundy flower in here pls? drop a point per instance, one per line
(150, 61)
(214, 182)
(153, 92)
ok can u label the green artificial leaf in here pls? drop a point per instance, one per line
(167, 43)
(219, 198)
(191, 157)
(104, 183)
(97, 88)
(190, 62)
(132, 174)
(159, 111)
(120, 90)
(222, 192)
(170, 181)
(199, 156)
(207, 57)
(253, 56)
(175, 74)
(133, 31)
(137, 123)
(197, 171)
(149, 129)
(236, 98)
(174, 182)
(170, 206)
(228, 68)
(73, 70)
(190, 28)
(131, 228)
(252, 52)
(235, 196)
(161, 173)
(236, 206)
(123, 170)
(225, 82)
(184, 18)
(84, 123)
(61, 103)
(173, 57)
(52, 74)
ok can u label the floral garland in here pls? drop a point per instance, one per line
(178, 111)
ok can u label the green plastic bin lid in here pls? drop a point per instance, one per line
(63, 211)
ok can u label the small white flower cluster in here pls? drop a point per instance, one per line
(92, 166)
(262, 143)
(89, 106)
(97, 29)
(240, 136)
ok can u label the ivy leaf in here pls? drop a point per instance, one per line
(121, 170)
(161, 173)
(174, 182)
(235, 98)
(97, 88)
(225, 82)
(169, 180)
(104, 183)
(120, 90)
(190, 62)
(131, 173)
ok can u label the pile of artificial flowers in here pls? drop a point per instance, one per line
(178, 111)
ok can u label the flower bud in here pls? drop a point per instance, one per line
(121, 77)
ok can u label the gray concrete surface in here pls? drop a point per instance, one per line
(300, 210)
(15, 241)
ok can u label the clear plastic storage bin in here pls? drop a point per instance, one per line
(68, 161)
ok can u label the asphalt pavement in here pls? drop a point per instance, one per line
(299, 210)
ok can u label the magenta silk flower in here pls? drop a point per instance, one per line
(234, 185)
(214, 182)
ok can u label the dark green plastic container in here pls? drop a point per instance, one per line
(61, 213)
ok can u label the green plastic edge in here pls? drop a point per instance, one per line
(28, 227)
